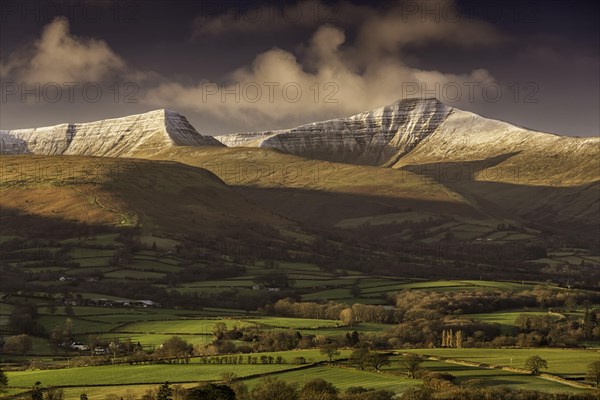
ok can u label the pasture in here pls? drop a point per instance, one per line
(195, 371)
(567, 363)
(99, 381)
(490, 377)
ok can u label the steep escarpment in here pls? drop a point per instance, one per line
(372, 138)
(118, 137)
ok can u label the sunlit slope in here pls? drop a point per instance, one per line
(508, 153)
(160, 196)
(115, 137)
(375, 137)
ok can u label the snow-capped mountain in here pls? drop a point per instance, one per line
(369, 138)
(425, 131)
(118, 137)
(416, 134)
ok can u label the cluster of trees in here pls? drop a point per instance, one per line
(3, 380)
(499, 393)
(291, 308)
(364, 359)
(452, 339)
(359, 312)
(419, 318)
(176, 349)
(24, 319)
(18, 344)
(554, 330)
(239, 359)
(414, 303)
(274, 280)
(429, 332)
(270, 388)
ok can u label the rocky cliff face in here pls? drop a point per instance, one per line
(372, 138)
(118, 137)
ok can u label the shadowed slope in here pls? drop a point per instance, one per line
(325, 193)
(320, 191)
(492, 186)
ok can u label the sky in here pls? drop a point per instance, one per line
(235, 66)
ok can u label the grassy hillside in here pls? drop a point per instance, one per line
(159, 196)
(321, 191)
(495, 190)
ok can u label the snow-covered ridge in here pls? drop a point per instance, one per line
(418, 131)
(372, 138)
(117, 137)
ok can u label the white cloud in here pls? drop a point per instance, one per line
(58, 56)
(352, 77)
(328, 77)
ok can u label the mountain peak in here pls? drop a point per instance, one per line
(124, 136)
(418, 100)
(409, 131)
(370, 138)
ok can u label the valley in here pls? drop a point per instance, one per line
(166, 256)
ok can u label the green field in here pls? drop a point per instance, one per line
(126, 374)
(566, 363)
(191, 326)
(134, 274)
(506, 319)
(100, 392)
(152, 340)
(344, 378)
(493, 377)
(153, 326)
(199, 331)
(156, 373)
